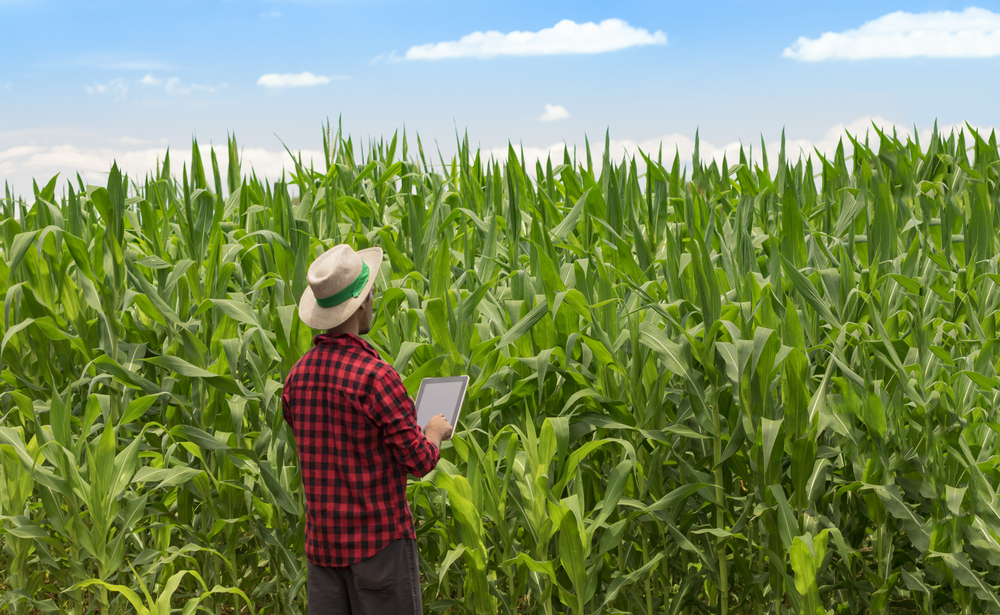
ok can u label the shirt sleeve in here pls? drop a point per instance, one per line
(286, 410)
(286, 406)
(393, 412)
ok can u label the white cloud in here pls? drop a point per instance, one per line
(22, 163)
(171, 85)
(175, 85)
(23, 157)
(292, 80)
(683, 145)
(115, 86)
(7, 86)
(553, 112)
(566, 37)
(271, 15)
(972, 33)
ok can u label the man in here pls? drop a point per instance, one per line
(357, 438)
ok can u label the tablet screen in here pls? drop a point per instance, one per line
(440, 396)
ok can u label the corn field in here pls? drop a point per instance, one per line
(730, 388)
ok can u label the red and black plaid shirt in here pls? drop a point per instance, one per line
(357, 437)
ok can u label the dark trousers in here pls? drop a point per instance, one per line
(386, 583)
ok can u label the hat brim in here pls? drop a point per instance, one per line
(327, 318)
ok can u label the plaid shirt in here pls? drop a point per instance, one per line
(357, 437)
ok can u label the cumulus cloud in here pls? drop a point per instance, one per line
(293, 80)
(972, 33)
(566, 37)
(553, 113)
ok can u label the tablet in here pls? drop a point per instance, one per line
(441, 396)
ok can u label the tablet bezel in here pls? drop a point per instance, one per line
(457, 412)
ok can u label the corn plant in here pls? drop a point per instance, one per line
(732, 387)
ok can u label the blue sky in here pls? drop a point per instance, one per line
(82, 83)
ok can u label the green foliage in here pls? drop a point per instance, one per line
(729, 391)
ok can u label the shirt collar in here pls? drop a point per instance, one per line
(344, 339)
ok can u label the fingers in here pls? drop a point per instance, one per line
(440, 424)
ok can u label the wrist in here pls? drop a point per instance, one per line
(434, 437)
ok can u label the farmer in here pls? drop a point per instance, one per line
(357, 438)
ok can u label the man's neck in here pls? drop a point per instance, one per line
(349, 327)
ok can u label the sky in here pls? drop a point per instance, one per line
(86, 83)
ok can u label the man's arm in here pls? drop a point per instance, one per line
(392, 410)
(437, 429)
(286, 409)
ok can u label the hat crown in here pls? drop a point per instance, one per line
(333, 271)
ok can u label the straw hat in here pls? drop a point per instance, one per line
(339, 282)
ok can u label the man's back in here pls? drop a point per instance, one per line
(357, 438)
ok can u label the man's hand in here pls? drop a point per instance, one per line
(438, 429)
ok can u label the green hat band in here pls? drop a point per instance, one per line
(348, 293)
